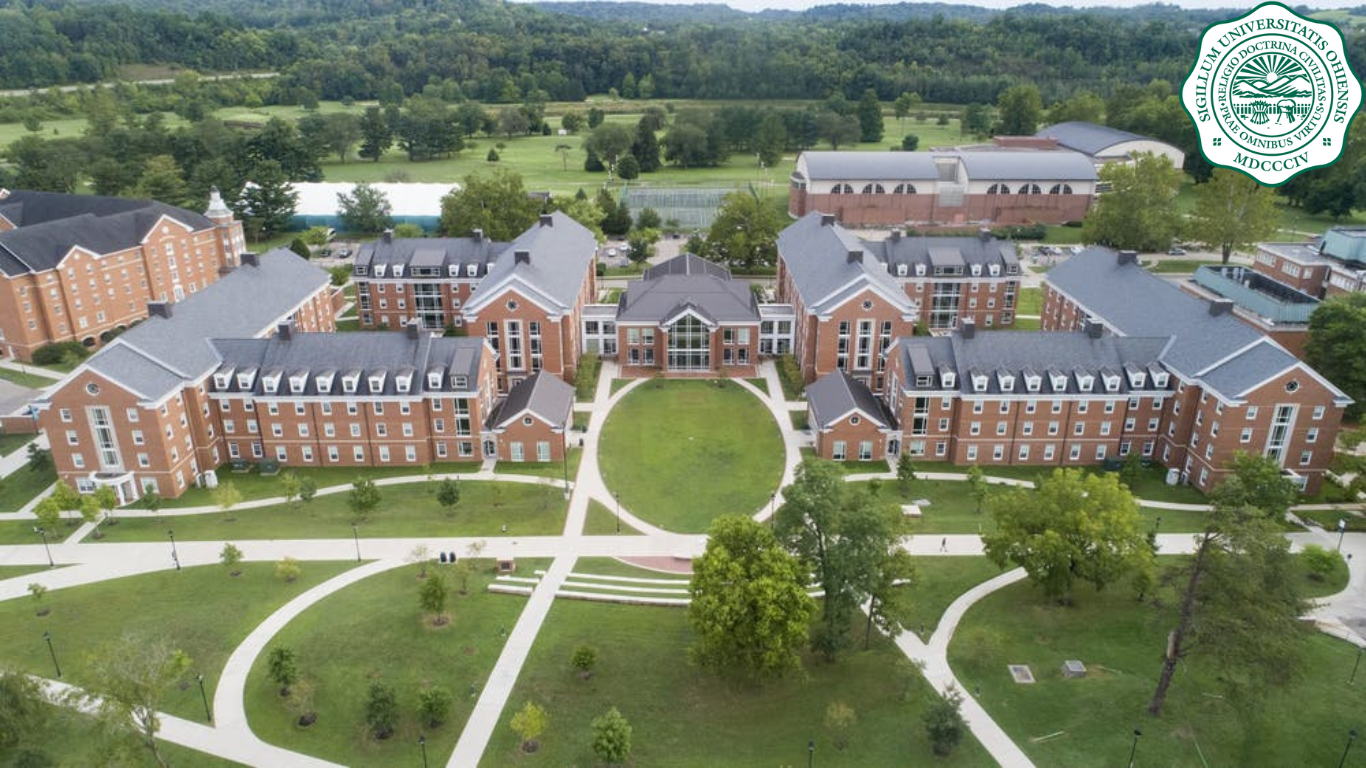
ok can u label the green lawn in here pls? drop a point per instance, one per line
(30, 380)
(1328, 518)
(11, 443)
(253, 485)
(551, 469)
(405, 510)
(71, 739)
(800, 419)
(22, 486)
(203, 611)
(374, 631)
(13, 571)
(602, 521)
(610, 566)
(1178, 266)
(682, 715)
(1150, 484)
(938, 582)
(1026, 324)
(618, 384)
(1121, 640)
(850, 467)
(586, 379)
(760, 384)
(718, 443)
(1029, 302)
(348, 326)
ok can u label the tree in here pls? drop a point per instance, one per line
(434, 705)
(162, 180)
(976, 120)
(904, 105)
(1072, 526)
(38, 459)
(770, 140)
(838, 129)
(595, 116)
(342, 131)
(300, 702)
(909, 142)
(126, 683)
(308, 488)
(839, 718)
(616, 217)
(448, 495)
(49, 514)
(300, 248)
(107, 499)
(1232, 211)
(887, 597)
(628, 168)
(37, 591)
(645, 147)
(1084, 107)
(381, 710)
(1139, 211)
(282, 668)
(289, 486)
(267, 201)
(90, 513)
(585, 212)
(843, 537)
(512, 122)
(23, 708)
(648, 218)
(610, 141)
(363, 499)
(572, 122)
(230, 556)
(529, 723)
(225, 497)
(905, 472)
(641, 245)
(1337, 348)
(1240, 606)
(494, 201)
(585, 656)
(432, 597)
(612, 737)
(944, 723)
(376, 135)
(408, 230)
(749, 607)
(366, 209)
(744, 234)
(287, 569)
(978, 488)
(1021, 108)
(869, 114)
(1318, 561)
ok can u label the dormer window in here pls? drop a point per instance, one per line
(362, 270)
(1085, 382)
(245, 379)
(349, 383)
(979, 382)
(1033, 382)
(1111, 383)
(1059, 382)
(460, 382)
(379, 270)
(297, 382)
(271, 383)
(403, 382)
(434, 380)
(923, 380)
(398, 270)
(1137, 379)
(453, 270)
(221, 379)
(976, 270)
(471, 270)
(994, 270)
(1160, 379)
(948, 379)
(901, 270)
(1006, 382)
(919, 270)
(376, 382)
(324, 383)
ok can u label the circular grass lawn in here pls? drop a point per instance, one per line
(685, 451)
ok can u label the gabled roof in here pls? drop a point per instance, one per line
(928, 250)
(391, 353)
(908, 166)
(816, 254)
(1088, 137)
(50, 225)
(542, 395)
(688, 282)
(836, 395)
(432, 252)
(560, 253)
(160, 354)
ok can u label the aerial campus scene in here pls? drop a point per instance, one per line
(613, 383)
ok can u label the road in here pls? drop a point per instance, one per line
(156, 81)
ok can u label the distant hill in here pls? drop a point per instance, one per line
(717, 13)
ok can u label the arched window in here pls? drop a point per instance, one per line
(998, 189)
(904, 189)
(1061, 189)
(1030, 189)
(873, 189)
(842, 189)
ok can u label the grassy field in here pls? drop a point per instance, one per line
(254, 485)
(14, 571)
(1029, 302)
(938, 582)
(1089, 721)
(11, 443)
(682, 715)
(19, 488)
(602, 521)
(71, 739)
(718, 443)
(554, 470)
(1178, 266)
(30, 380)
(800, 419)
(405, 510)
(610, 566)
(374, 631)
(203, 611)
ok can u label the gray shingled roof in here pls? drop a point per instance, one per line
(909, 166)
(817, 257)
(561, 253)
(923, 250)
(836, 394)
(1135, 302)
(51, 225)
(542, 394)
(1087, 137)
(1043, 165)
(688, 281)
(243, 303)
(312, 354)
(436, 251)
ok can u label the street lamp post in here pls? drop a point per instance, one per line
(43, 532)
(48, 637)
(1134, 749)
(772, 508)
(422, 742)
(1342, 531)
(616, 496)
(1351, 737)
(810, 753)
(1352, 680)
(1157, 524)
(355, 536)
(175, 555)
(564, 461)
(208, 716)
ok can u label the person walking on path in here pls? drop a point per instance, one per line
(944, 544)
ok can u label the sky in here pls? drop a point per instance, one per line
(796, 5)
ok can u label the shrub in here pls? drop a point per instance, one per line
(409, 230)
(790, 374)
(434, 705)
(1319, 562)
(944, 723)
(612, 737)
(585, 656)
(340, 274)
(381, 710)
(909, 142)
(600, 269)
(839, 718)
(492, 156)
(586, 377)
(59, 351)
(299, 246)
(288, 570)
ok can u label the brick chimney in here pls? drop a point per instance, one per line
(477, 235)
(984, 235)
(414, 329)
(1093, 328)
(284, 331)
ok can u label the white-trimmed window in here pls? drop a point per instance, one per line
(838, 450)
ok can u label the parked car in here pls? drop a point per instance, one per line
(1176, 250)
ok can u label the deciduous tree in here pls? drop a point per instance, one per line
(494, 201)
(282, 667)
(1336, 346)
(376, 135)
(230, 556)
(434, 705)
(529, 723)
(225, 497)
(432, 597)
(1020, 108)
(869, 114)
(744, 234)
(381, 710)
(612, 737)
(126, 683)
(365, 210)
(610, 141)
(944, 723)
(363, 499)
(1139, 211)
(1232, 211)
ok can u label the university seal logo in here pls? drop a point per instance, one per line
(1271, 94)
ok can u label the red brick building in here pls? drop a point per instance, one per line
(81, 267)
(1330, 265)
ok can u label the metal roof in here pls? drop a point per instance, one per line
(1032, 165)
(910, 166)
(1089, 138)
